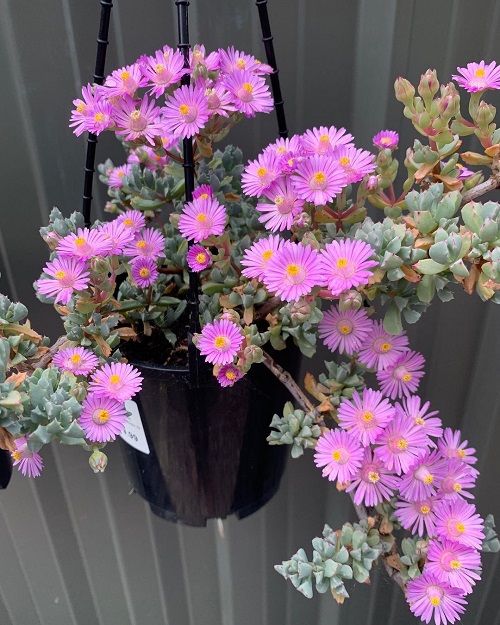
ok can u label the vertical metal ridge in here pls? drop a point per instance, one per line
(8, 269)
(118, 35)
(264, 571)
(156, 563)
(185, 574)
(451, 39)
(492, 41)
(8, 609)
(300, 47)
(70, 36)
(485, 595)
(222, 550)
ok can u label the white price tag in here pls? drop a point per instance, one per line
(133, 433)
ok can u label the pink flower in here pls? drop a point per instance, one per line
(478, 76)
(116, 175)
(344, 330)
(417, 516)
(403, 376)
(66, 276)
(86, 109)
(256, 258)
(386, 139)
(144, 271)
(260, 174)
(220, 341)
(186, 111)
(464, 173)
(117, 234)
(458, 521)
(102, 418)
(286, 150)
(400, 444)
(454, 564)
(412, 407)
(198, 258)
(228, 375)
(148, 244)
(380, 350)
(201, 218)
(450, 446)
(29, 462)
(219, 100)
(197, 56)
(422, 477)
(101, 117)
(138, 123)
(124, 81)
(285, 206)
(163, 69)
(365, 416)
(204, 191)
(374, 483)
(347, 264)
(428, 597)
(457, 479)
(231, 60)
(324, 140)
(318, 179)
(355, 163)
(340, 455)
(250, 93)
(84, 244)
(78, 360)
(293, 271)
(134, 220)
(117, 380)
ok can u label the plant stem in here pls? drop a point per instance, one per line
(266, 308)
(488, 185)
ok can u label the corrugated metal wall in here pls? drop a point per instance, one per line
(76, 548)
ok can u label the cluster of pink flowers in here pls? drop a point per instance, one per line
(313, 167)
(399, 452)
(223, 83)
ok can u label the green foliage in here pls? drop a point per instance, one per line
(295, 428)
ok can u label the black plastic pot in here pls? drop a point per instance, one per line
(209, 457)
(5, 468)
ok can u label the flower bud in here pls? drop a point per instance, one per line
(230, 315)
(253, 354)
(300, 310)
(372, 183)
(405, 91)
(52, 239)
(350, 300)
(485, 114)
(303, 221)
(98, 461)
(174, 219)
(428, 85)
(422, 120)
(310, 240)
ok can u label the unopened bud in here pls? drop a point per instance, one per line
(404, 91)
(98, 461)
(350, 300)
(253, 354)
(52, 239)
(310, 240)
(303, 220)
(449, 106)
(372, 183)
(174, 219)
(231, 315)
(485, 114)
(422, 120)
(428, 85)
(300, 310)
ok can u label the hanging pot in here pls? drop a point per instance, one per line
(5, 468)
(203, 452)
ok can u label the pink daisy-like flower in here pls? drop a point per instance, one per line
(453, 563)
(344, 330)
(293, 271)
(432, 426)
(219, 100)
(340, 454)
(373, 483)
(451, 446)
(85, 108)
(220, 341)
(147, 155)
(117, 380)
(133, 220)
(66, 276)
(386, 139)
(256, 258)
(285, 206)
(250, 93)
(380, 350)
(428, 598)
(148, 244)
(201, 218)
(29, 462)
(285, 149)
(197, 56)
(365, 416)
(457, 480)
(124, 81)
(204, 191)
(101, 117)
(163, 69)
(117, 234)
(260, 174)
(186, 111)
(229, 375)
(102, 418)
(198, 258)
(478, 76)
(464, 172)
(417, 516)
(355, 163)
(115, 179)
(403, 377)
(422, 477)
(78, 360)
(318, 179)
(457, 520)
(138, 123)
(347, 264)
(323, 140)
(233, 60)
(144, 271)
(400, 444)
(84, 244)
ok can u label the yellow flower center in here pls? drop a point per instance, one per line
(81, 107)
(201, 258)
(220, 342)
(336, 455)
(76, 359)
(280, 150)
(385, 141)
(103, 416)
(125, 75)
(278, 200)
(402, 444)
(135, 114)
(201, 217)
(428, 479)
(267, 254)
(248, 87)
(98, 117)
(144, 272)
(262, 171)
(457, 487)
(241, 63)
(341, 263)
(159, 68)
(368, 417)
(120, 174)
(460, 528)
(324, 138)
(479, 72)
(292, 269)
(345, 329)
(204, 196)
(80, 241)
(455, 564)
(373, 477)
(60, 275)
(183, 109)
(230, 375)
(345, 160)
(319, 177)
(385, 347)
(425, 509)
(461, 453)
(128, 222)
(114, 379)
(419, 421)
(435, 601)
(140, 244)
(407, 377)
(16, 455)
